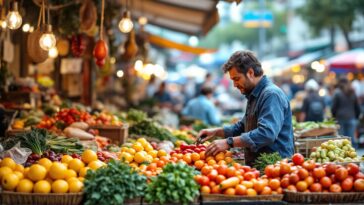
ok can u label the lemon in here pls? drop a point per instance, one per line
(25, 185)
(83, 171)
(161, 153)
(8, 162)
(5, 170)
(60, 186)
(76, 165)
(126, 157)
(75, 186)
(36, 172)
(45, 162)
(19, 168)
(10, 181)
(140, 157)
(19, 174)
(153, 153)
(57, 170)
(138, 147)
(70, 173)
(142, 140)
(94, 165)
(131, 151)
(42, 186)
(66, 159)
(69, 180)
(26, 171)
(88, 156)
(148, 147)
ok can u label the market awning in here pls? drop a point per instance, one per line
(187, 16)
(349, 61)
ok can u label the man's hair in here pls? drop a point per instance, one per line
(206, 90)
(242, 61)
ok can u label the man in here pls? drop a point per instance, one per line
(267, 124)
(202, 108)
(313, 108)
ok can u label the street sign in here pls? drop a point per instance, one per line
(256, 19)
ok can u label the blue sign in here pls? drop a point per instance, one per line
(256, 19)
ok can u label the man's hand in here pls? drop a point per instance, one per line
(217, 146)
(209, 133)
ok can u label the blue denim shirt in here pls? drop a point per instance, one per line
(203, 109)
(267, 124)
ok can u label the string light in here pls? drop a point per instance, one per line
(126, 24)
(47, 40)
(14, 19)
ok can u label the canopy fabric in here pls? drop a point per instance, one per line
(165, 43)
(349, 61)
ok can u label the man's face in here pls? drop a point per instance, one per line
(242, 82)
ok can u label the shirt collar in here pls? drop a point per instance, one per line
(261, 84)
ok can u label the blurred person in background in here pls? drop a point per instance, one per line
(163, 97)
(345, 109)
(202, 108)
(208, 82)
(313, 108)
(152, 86)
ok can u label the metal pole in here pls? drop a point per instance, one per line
(262, 32)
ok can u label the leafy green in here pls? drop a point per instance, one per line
(136, 116)
(266, 159)
(153, 129)
(113, 184)
(175, 184)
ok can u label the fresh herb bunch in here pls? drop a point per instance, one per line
(266, 159)
(136, 116)
(175, 184)
(151, 128)
(113, 184)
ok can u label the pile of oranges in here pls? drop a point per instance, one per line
(308, 176)
(143, 157)
(46, 176)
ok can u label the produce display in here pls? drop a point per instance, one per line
(307, 176)
(266, 159)
(334, 151)
(309, 125)
(27, 119)
(175, 184)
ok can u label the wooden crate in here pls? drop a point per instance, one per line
(304, 145)
(117, 134)
(322, 197)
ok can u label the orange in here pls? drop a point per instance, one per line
(5, 170)
(140, 157)
(88, 156)
(199, 164)
(228, 154)
(220, 156)
(202, 155)
(70, 173)
(251, 192)
(205, 189)
(222, 162)
(8, 162)
(138, 147)
(94, 165)
(10, 181)
(209, 158)
(195, 157)
(76, 164)
(152, 167)
(162, 153)
(36, 172)
(19, 168)
(66, 159)
(26, 170)
(75, 186)
(25, 186)
(211, 162)
(45, 162)
(160, 163)
(187, 158)
(228, 160)
(19, 174)
(229, 191)
(72, 179)
(60, 186)
(153, 153)
(42, 186)
(57, 170)
(179, 156)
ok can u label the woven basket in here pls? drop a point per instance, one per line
(321, 197)
(226, 198)
(13, 198)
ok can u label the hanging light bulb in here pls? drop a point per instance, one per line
(3, 24)
(125, 24)
(26, 27)
(143, 20)
(53, 52)
(13, 19)
(47, 40)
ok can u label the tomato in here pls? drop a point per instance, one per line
(276, 172)
(216, 189)
(219, 178)
(301, 186)
(212, 184)
(240, 189)
(309, 165)
(285, 168)
(330, 168)
(246, 168)
(318, 173)
(335, 188)
(256, 174)
(222, 169)
(302, 173)
(269, 171)
(359, 185)
(316, 187)
(332, 177)
(353, 169)
(285, 182)
(309, 180)
(347, 184)
(205, 189)
(279, 190)
(183, 147)
(359, 175)
(266, 191)
(206, 170)
(293, 178)
(298, 159)
(325, 182)
(274, 184)
(231, 172)
(292, 188)
(212, 175)
(230, 191)
(249, 175)
(198, 179)
(341, 174)
(259, 185)
(205, 180)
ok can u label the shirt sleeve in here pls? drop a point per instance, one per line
(234, 130)
(270, 122)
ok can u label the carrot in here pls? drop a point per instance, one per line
(230, 182)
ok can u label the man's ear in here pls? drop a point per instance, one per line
(250, 73)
